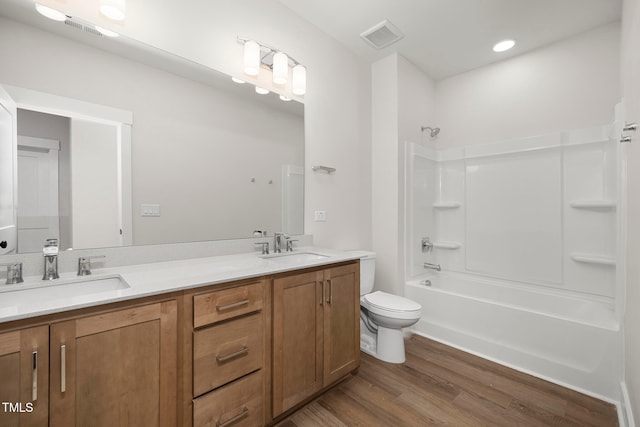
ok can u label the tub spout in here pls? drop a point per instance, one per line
(432, 266)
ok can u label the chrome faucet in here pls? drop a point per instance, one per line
(277, 242)
(14, 273)
(84, 264)
(432, 266)
(50, 252)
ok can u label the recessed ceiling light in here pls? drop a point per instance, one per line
(503, 45)
(284, 98)
(261, 90)
(237, 80)
(50, 13)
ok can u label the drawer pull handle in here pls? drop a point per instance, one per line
(34, 376)
(244, 413)
(63, 368)
(232, 305)
(221, 359)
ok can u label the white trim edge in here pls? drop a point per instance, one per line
(625, 414)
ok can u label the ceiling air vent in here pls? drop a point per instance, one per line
(79, 26)
(382, 34)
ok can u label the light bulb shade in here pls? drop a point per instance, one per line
(114, 9)
(299, 80)
(251, 58)
(50, 13)
(280, 68)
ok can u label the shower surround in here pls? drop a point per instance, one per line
(528, 233)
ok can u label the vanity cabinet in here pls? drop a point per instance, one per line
(115, 368)
(316, 332)
(228, 356)
(24, 377)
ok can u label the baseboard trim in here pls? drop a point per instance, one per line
(625, 414)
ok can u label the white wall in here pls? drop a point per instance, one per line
(630, 70)
(337, 115)
(402, 101)
(567, 85)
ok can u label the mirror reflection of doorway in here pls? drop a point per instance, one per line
(38, 217)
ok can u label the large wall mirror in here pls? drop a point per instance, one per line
(209, 159)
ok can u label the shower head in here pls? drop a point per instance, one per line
(434, 131)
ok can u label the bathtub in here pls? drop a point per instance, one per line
(571, 341)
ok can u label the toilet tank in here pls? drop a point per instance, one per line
(367, 271)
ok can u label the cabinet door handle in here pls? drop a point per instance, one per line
(242, 351)
(330, 300)
(322, 296)
(243, 413)
(232, 305)
(34, 376)
(63, 368)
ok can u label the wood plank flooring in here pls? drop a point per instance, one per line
(441, 386)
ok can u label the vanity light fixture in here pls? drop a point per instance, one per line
(299, 80)
(504, 45)
(50, 13)
(258, 56)
(252, 58)
(280, 68)
(113, 9)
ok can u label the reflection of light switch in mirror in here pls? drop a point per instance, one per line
(150, 210)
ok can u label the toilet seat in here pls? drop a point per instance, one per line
(390, 305)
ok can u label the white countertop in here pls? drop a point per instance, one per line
(36, 298)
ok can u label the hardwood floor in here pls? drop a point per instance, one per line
(439, 385)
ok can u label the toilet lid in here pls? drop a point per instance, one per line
(389, 302)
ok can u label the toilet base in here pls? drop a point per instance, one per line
(387, 345)
(390, 346)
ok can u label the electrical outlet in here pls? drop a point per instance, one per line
(320, 216)
(150, 209)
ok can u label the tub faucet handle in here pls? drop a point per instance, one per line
(426, 244)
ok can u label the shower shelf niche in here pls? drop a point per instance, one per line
(446, 245)
(593, 204)
(446, 204)
(593, 259)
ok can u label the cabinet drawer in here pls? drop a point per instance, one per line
(226, 351)
(215, 306)
(237, 404)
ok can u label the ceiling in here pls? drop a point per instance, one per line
(448, 37)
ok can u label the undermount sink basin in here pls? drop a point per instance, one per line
(57, 289)
(294, 257)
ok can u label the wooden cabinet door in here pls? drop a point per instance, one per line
(341, 322)
(297, 339)
(24, 377)
(117, 368)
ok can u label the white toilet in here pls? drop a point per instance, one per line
(382, 316)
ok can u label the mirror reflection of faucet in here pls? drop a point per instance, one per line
(50, 252)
